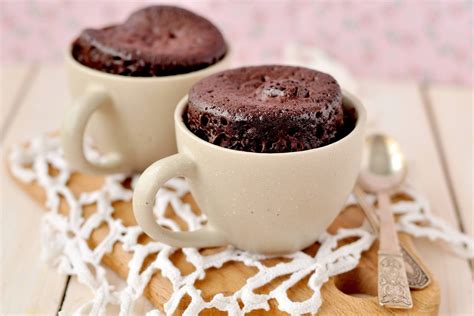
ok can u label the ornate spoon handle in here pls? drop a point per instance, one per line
(393, 289)
(416, 275)
(418, 279)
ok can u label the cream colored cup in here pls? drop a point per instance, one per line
(129, 118)
(266, 203)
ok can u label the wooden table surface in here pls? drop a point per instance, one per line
(434, 124)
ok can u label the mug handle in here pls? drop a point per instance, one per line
(144, 198)
(72, 133)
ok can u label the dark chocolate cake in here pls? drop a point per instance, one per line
(267, 109)
(154, 41)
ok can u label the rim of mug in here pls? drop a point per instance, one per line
(356, 104)
(97, 73)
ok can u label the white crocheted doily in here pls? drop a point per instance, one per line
(65, 243)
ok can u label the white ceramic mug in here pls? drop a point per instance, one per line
(130, 119)
(260, 202)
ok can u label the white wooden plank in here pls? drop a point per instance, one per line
(12, 79)
(29, 285)
(46, 103)
(78, 294)
(397, 109)
(48, 100)
(452, 109)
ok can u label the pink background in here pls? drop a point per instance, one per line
(422, 40)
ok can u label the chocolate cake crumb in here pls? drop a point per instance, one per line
(267, 109)
(155, 41)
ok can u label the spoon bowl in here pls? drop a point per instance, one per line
(383, 166)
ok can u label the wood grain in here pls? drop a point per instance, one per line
(233, 275)
(78, 294)
(13, 78)
(43, 106)
(398, 110)
(452, 109)
(24, 276)
(398, 106)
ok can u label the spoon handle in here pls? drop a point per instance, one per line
(393, 289)
(417, 277)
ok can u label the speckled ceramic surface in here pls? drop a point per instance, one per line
(129, 118)
(266, 203)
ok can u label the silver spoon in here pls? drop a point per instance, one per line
(418, 278)
(383, 170)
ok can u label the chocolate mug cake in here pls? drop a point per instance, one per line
(268, 109)
(126, 80)
(154, 41)
(286, 199)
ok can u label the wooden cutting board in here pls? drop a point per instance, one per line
(354, 292)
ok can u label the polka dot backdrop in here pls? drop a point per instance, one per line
(421, 40)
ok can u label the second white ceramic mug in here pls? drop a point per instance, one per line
(266, 203)
(129, 118)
